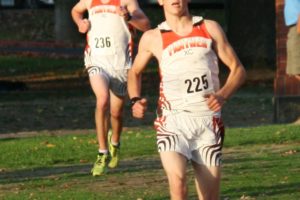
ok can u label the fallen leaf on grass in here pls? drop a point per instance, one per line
(244, 197)
(50, 145)
(66, 186)
(92, 141)
(288, 153)
(47, 144)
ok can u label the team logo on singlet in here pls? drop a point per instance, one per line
(186, 44)
(103, 9)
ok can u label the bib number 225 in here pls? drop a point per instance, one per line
(197, 84)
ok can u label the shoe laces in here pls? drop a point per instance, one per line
(101, 158)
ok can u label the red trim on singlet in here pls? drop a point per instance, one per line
(111, 2)
(169, 37)
(131, 43)
(87, 46)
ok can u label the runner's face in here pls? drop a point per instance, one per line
(175, 7)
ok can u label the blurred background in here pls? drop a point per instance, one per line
(250, 26)
(43, 85)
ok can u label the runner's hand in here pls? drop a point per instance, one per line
(139, 108)
(214, 102)
(84, 25)
(123, 12)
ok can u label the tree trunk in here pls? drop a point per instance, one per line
(65, 28)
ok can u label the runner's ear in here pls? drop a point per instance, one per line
(160, 2)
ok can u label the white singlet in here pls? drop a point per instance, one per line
(189, 70)
(109, 42)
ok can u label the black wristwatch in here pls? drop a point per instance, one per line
(128, 17)
(134, 100)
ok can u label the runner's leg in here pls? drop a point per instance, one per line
(99, 86)
(207, 181)
(175, 167)
(116, 116)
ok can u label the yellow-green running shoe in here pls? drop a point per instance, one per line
(114, 153)
(100, 165)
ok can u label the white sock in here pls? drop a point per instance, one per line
(103, 151)
(115, 143)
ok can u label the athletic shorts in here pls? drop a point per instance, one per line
(199, 139)
(293, 52)
(117, 79)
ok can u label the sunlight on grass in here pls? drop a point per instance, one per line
(259, 163)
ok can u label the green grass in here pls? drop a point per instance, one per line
(16, 67)
(262, 163)
(46, 151)
(259, 163)
(12, 66)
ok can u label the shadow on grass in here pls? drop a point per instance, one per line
(12, 85)
(268, 191)
(134, 165)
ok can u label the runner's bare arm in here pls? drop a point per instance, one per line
(77, 13)
(135, 73)
(140, 62)
(227, 55)
(138, 19)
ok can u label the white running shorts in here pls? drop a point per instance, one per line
(117, 78)
(199, 139)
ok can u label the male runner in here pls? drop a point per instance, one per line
(188, 124)
(107, 57)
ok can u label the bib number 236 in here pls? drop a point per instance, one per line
(103, 42)
(103, 45)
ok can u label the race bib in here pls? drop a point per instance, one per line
(102, 45)
(194, 85)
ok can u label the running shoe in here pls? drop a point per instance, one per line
(114, 153)
(100, 166)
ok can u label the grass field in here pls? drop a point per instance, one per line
(259, 163)
(14, 66)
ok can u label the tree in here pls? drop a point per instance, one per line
(251, 31)
(65, 28)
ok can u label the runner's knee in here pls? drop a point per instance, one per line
(116, 113)
(178, 188)
(101, 105)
